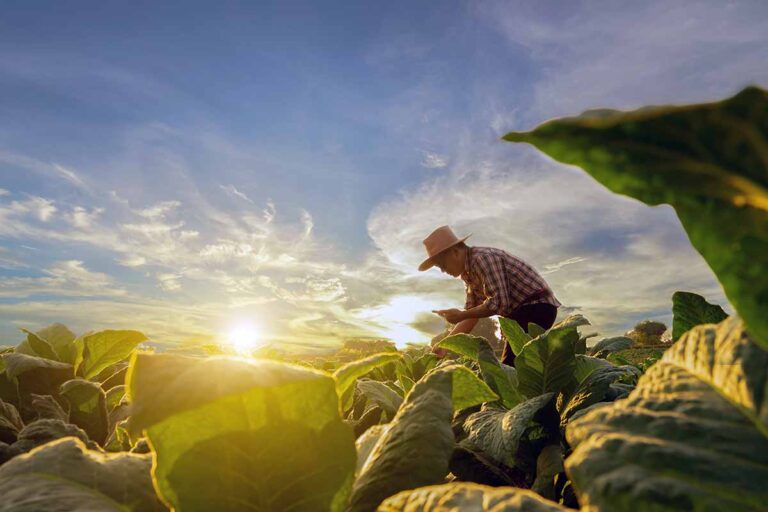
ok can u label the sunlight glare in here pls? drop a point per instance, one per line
(244, 338)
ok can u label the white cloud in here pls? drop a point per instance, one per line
(65, 278)
(132, 261)
(82, 218)
(230, 189)
(554, 267)
(45, 169)
(433, 161)
(169, 281)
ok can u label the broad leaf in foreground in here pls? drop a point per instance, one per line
(708, 161)
(414, 449)
(468, 496)
(693, 435)
(65, 475)
(234, 434)
(690, 310)
(478, 349)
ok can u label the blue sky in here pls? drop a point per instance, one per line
(181, 168)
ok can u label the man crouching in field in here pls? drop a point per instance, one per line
(497, 284)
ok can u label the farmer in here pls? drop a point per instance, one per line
(497, 284)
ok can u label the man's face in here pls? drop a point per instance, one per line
(450, 262)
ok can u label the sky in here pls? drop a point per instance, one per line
(186, 168)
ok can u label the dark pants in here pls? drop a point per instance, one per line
(542, 315)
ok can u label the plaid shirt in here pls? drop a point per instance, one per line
(503, 281)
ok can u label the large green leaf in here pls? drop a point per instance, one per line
(690, 310)
(87, 407)
(65, 475)
(467, 389)
(104, 348)
(234, 434)
(470, 497)
(547, 362)
(515, 336)
(478, 349)
(497, 432)
(415, 448)
(62, 340)
(347, 375)
(709, 161)
(693, 435)
(40, 346)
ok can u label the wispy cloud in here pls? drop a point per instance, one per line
(433, 161)
(231, 190)
(554, 267)
(12, 161)
(65, 278)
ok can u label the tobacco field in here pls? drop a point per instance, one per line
(100, 421)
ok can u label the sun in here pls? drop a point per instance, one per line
(244, 338)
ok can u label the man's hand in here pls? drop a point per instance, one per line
(439, 352)
(453, 316)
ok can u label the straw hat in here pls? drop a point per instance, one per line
(438, 241)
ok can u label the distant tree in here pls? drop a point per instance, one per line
(647, 332)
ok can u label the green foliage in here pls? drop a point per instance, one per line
(546, 363)
(246, 441)
(347, 374)
(380, 394)
(608, 345)
(468, 496)
(477, 349)
(707, 161)
(692, 436)
(65, 475)
(514, 334)
(102, 349)
(690, 310)
(497, 432)
(87, 407)
(414, 449)
(40, 346)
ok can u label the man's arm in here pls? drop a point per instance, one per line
(456, 316)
